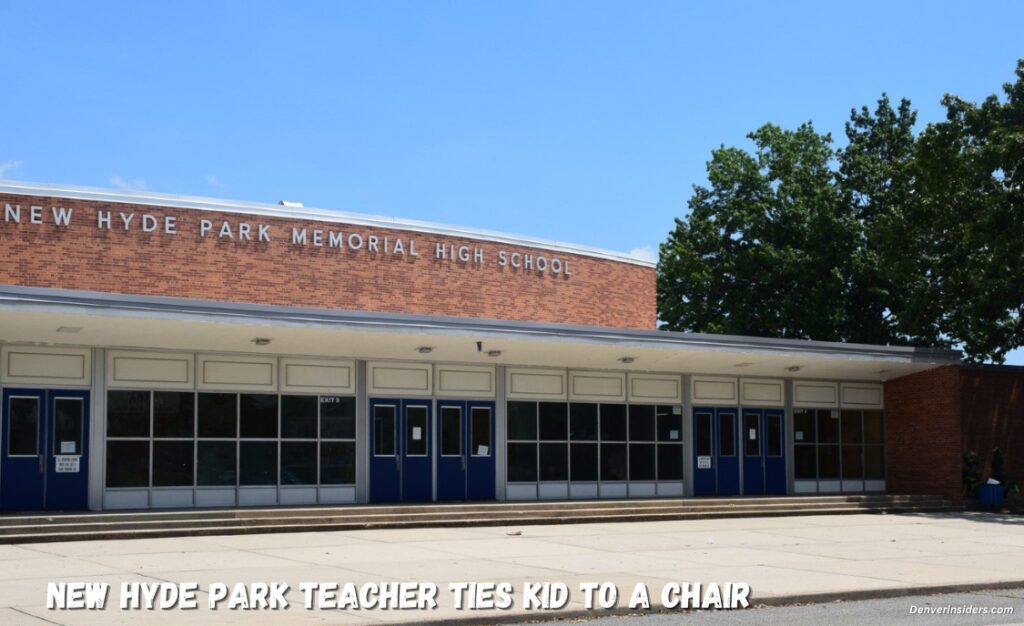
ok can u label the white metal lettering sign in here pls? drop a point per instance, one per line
(372, 245)
(67, 463)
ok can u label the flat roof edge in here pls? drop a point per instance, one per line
(149, 198)
(98, 301)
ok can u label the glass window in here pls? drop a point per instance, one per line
(337, 462)
(257, 463)
(641, 422)
(670, 423)
(554, 421)
(67, 426)
(642, 460)
(874, 463)
(258, 416)
(218, 416)
(773, 436)
(613, 461)
(751, 434)
(416, 431)
(174, 414)
(583, 421)
(480, 431)
(803, 426)
(806, 462)
(853, 467)
(852, 427)
(172, 463)
(128, 414)
(828, 426)
(384, 430)
(522, 462)
(583, 461)
(215, 463)
(23, 426)
(873, 427)
(451, 431)
(337, 417)
(554, 461)
(298, 417)
(613, 423)
(298, 462)
(727, 434)
(522, 421)
(828, 462)
(127, 463)
(670, 461)
(702, 434)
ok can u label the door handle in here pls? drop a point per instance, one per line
(463, 462)
(398, 462)
(42, 461)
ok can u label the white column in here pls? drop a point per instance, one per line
(500, 432)
(97, 429)
(362, 436)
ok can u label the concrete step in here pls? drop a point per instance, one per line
(318, 511)
(116, 532)
(19, 529)
(516, 508)
(84, 524)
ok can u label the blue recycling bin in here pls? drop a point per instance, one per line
(990, 495)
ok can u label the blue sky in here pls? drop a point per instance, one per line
(586, 122)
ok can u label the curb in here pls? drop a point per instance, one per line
(775, 601)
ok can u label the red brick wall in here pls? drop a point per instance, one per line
(81, 256)
(993, 415)
(923, 433)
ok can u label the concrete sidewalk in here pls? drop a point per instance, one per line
(779, 557)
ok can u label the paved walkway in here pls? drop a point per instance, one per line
(778, 557)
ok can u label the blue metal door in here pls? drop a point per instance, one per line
(44, 462)
(764, 462)
(385, 458)
(480, 464)
(752, 435)
(465, 450)
(716, 467)
(400, 455)
(452, 441)
(416, 466)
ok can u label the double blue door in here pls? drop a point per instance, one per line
(401, 469)
(716, 466)
(44, 463)
(764, 464)
(465, 460)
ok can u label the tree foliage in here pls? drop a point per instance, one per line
(893, 238)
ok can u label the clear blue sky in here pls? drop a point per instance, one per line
(586, 122)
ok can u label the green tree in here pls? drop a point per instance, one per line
(769, 247)
(890, 239)
(969, 223)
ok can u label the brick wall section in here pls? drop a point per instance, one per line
(81, 256)
(993, 416)
(923, 433)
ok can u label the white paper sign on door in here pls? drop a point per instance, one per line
(703, 462)
(66, 463)
(417, 433)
